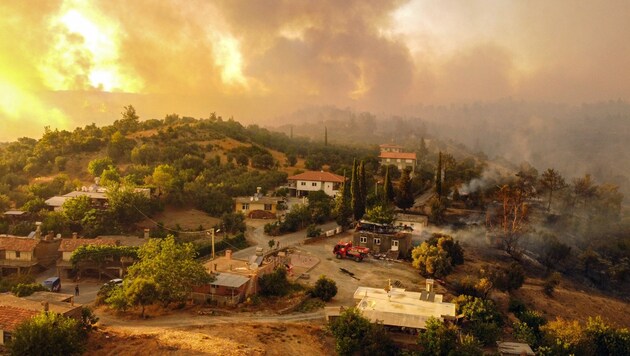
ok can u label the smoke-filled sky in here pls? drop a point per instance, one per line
(65, 63)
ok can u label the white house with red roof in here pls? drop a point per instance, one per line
(311, 181)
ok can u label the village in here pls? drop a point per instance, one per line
(367, 262)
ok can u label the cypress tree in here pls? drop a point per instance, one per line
(325, 136)
(404, 196)
(388, 188)
(438, 176)
(343, 211)
(362, 186)
(358, 208)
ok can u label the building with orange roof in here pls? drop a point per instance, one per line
(311, 181)
(394, 155)
(27, 254)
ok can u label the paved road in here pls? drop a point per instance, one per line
(258, 239)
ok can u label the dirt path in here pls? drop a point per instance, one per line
(183, 320)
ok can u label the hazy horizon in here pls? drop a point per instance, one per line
(67, 63)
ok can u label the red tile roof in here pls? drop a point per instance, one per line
(11, 317)
(396, 155)
(317, 176)
(69, 245)
(22, 244)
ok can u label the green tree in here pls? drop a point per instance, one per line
(275, 283)
(110, 177)
(439, 338)
(404, 194)
(380, 214)
(552, 181)
(47, 333)
(362, 183)
(5, 203)
(431, 261)
(34, 205)
(142, 292)
(165, 178)
(98, 165)
(343, 210)
(76, 208)
(355, 335)
(172, 266)
(291, 160)
(324, 289)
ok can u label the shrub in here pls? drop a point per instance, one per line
(525, 333)
(48, 332)
(438, 338)
(324, 289)
(550, 284)
(486, 333)
(313, 231)
(275, 283)
(516, 306)
(24, 290)
(356, 335)
(509, 279)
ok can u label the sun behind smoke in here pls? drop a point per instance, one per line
(85, 52)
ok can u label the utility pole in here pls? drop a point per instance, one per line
(213, 231)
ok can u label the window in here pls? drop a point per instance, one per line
(363, 239)
(267, 206)
(7, 337)
(394, 243)
(314, 184)
(398, 160)
(17, 254)
(377, 240)
(245, 206)
(302, 183)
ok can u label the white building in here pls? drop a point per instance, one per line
(400, 308)
(312, 181)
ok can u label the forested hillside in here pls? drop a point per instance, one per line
(199, 163)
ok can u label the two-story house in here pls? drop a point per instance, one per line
(110, 267)
(26, 254)
(311, 181)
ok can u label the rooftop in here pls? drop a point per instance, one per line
(69, 245)
(11, 317)
(389, 145)
(229, 280)
(401, 308)
(318, 176)
(14, 243)
(397, 155)
(8, 299)
(14, 212)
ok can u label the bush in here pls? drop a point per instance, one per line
(313, 231)
(516, 306)
(477, 309)
(507, 280)
(7, 283)
(24, 290)
(356, 335)
(275, 283)
(550, 284)
(324, 289)
(486, 333)
(48, 332)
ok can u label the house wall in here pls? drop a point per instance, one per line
(47, 252)
(329, 188)
(404, 241)
(253, 205)
(1, 337)
(400, 163)
(66, 256)
(24, 256)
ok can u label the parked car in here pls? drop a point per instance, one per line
(53, 284)
(114, 282)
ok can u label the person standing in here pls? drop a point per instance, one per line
(76, 289)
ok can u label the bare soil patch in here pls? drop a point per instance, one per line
(187, 219)
(241, 338)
